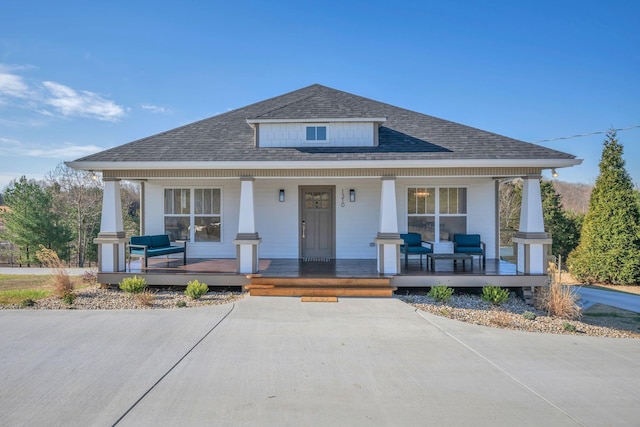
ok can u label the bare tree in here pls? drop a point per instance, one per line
(510, 202)
(79, 197)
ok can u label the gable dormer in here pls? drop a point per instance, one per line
(320, 132)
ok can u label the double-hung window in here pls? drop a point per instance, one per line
(437, 213)
(316, 133)
(192, 214)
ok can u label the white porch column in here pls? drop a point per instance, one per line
(111, 239)
(531, 238)
(388, 239)
(247, 240)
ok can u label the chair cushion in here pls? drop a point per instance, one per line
(415, 249)
(463, 240)
(469, 250)
(412, 239)
(160, 240)
(140, 240)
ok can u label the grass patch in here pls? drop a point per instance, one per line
(16, 296)
(12, 282)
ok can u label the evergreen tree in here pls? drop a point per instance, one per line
(30, 221)
(609, 249)
(563, 228)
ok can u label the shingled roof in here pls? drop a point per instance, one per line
(405, 135)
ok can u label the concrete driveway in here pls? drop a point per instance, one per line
(591, 296)
(277, 362)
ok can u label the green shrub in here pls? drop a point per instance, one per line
(133, 285)
(440, 293)
(569, 327)
(495, 294)
(529, 315)
(196, 289)
(68, 298)
(28, 302)
(181, 303)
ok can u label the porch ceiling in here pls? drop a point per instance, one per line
(322, 173)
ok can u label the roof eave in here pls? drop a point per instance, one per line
(325, 164)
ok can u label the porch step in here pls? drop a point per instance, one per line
(321, 287)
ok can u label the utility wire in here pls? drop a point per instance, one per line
(586, 134)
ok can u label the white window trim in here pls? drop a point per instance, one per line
(436, 214)
(316, 141)
(192, 214)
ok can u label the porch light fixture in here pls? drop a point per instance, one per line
(94, 176)
(281, 196)
(554, 173)
(352, 195)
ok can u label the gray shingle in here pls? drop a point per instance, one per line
(406, 135)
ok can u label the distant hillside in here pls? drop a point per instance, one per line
(575, 197)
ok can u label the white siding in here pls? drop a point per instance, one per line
(480, 205)
(294, 135)
(356, 223)
(154, 216)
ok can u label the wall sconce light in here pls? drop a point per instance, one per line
(281, 196)
(352, 195)
(94, 176)
(554, 173)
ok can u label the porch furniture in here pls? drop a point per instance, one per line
(155, 245)
(432, 258)
(413, 246)
(470, 244)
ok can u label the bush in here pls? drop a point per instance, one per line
(196, 289)
(133, 285)
(181, 304)
(558, 300)
(528, 315)
(440, 293)
(495, 294)
(69, 298)
(28, 302)
(89, 277)
(569, 327)
(145, 298)
(63, 285)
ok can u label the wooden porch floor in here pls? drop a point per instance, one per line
(361, 268)
(332, 268)
(222, 273)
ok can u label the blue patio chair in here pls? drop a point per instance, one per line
(470, 244)
(413, 245)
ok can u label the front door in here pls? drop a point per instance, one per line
(317, 222)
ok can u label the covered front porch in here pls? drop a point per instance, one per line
(296, 277)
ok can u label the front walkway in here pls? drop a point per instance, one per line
(278, 361)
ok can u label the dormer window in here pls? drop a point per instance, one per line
(316, 133)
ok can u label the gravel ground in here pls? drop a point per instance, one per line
(465, 308)
(94, 298)
(472, 309)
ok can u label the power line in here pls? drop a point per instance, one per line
(586, 134)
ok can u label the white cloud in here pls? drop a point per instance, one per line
(83, 103)
(51, 98)
(155, 109)
(12, 85)
(65, 151)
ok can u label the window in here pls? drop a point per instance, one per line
(437, 213)
(316, 133)
(192, 214)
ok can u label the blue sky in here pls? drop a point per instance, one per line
(78, 77)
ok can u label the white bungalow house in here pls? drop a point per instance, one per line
(320, 174)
